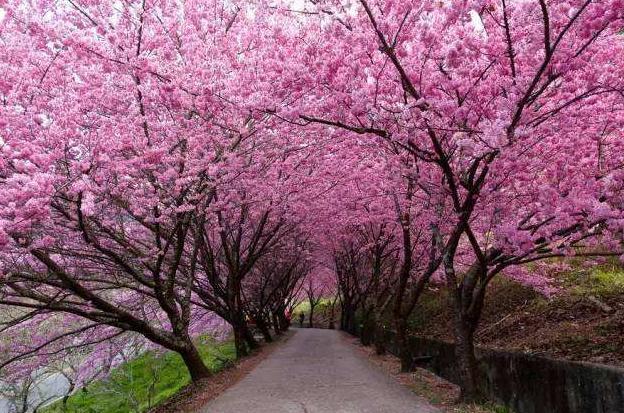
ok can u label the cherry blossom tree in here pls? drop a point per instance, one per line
(135, 167)
(275, 281)
(163, 162)
(314, 288)
(508, 108)
(112, 148)
(227, 257)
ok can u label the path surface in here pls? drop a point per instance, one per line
(317, 371)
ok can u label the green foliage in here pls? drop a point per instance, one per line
(481, 408)
(143, 382)
(602, 280)
(605, 281)
(500, 409)
(304, 306)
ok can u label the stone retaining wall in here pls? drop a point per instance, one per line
(531, 384)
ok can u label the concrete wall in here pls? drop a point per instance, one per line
(531, 384)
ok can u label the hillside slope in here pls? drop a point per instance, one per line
(584, 321)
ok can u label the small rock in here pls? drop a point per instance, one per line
(601, 305)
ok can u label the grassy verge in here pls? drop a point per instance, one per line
(144, 382)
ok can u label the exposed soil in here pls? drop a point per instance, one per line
(194, 396)
(582, 327)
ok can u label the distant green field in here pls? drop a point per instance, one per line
(143, 382)
(304, 306)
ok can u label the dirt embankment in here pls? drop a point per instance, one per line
(584, 322)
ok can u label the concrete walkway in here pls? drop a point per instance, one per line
(317, 371)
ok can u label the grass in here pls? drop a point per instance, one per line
(302, 307)
(479, 408)
(602, 277)
(144, 382)
(602, 282)
(497, 408)
(321, 311)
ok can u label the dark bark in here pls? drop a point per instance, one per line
(379, 340)
(332, 310)
(347, 318)
(244, 341)
(264, 329)
(239, 339)
(468, 299)
(70, 390)
(277, 327)
(283, 321)
(194, 363)
(368, 330)
(405, 354)
(311, 318)
(466, 361)
(250, 340)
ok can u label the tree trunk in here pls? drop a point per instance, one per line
(69, 392)
(264, 329)
(405, 354)
(332, 323)
(194, 363)
(276, 324)
(24, 406)
(239, 341)
(467, 304)
(366, 333)
(283, 321)
(250, 340)
(467, 361)
(311, 321)
(379, 340)
(345, 316)
(347, 319)
(378, 330)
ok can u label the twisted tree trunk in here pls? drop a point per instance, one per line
(193, 362)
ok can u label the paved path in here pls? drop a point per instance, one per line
(316, 371)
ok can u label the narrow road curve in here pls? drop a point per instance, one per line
(317, 371)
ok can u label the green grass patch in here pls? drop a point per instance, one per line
(600, 280)
(605, 281)
(143, 382)
(481, 408)
(499, 409)
(304, 306)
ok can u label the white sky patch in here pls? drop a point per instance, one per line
(118, 9)
(2, 14)
(297, 4)
(477, 22)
